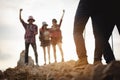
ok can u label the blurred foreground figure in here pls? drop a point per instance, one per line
(104, 18)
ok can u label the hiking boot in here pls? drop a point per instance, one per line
(81, 62)
(97, 62)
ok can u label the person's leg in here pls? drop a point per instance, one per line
(102, 29)
(98, 50)
(35, 52)
(54, 51)
(108, 53)
(48, 48)
(79, 25)
(26, 52)
(107, 50)
(61, 51)
(44, 55)
(81, 17)
(98, 31)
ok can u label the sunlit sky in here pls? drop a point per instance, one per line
(12, 31)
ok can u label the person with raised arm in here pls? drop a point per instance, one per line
(56, 37)
(31, 30)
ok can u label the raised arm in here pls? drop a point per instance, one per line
(62, 18)
(20, 14)
(63, 14)
(21, 20)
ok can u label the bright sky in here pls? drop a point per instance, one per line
(12, 31)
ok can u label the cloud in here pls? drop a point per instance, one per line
(10, 33)
(4, 56)
(10, 3)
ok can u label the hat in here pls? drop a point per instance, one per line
(31, 18)
(44, 23)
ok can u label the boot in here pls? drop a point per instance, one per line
(81, 62)
(97, 62)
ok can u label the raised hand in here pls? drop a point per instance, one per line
(20, 14)
(21, 10)
(63, 11)
(63, 14)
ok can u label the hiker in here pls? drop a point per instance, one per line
(86, 9)
(106, 19)
(31, 30)
(56, 37)
(44, 37)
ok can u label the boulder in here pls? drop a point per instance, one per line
(112, 71)
(1, 75)
(21, 61)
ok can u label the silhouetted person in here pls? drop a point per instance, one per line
(45, 40)
(96, 10)
(104, 20)
(31, 30)
(56, 37)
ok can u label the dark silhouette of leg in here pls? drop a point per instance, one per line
(26, 52)
(102, 29)
(35, 52)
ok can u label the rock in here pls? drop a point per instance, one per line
(65, 71)
(1, 75)
(21, 61)
(10, 73)
(98, 72)
(112, 71)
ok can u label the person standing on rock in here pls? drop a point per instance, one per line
(101, 30)
(44, 37)
(56, 37)
(31, 30)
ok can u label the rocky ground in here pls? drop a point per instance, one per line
(63, 71)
